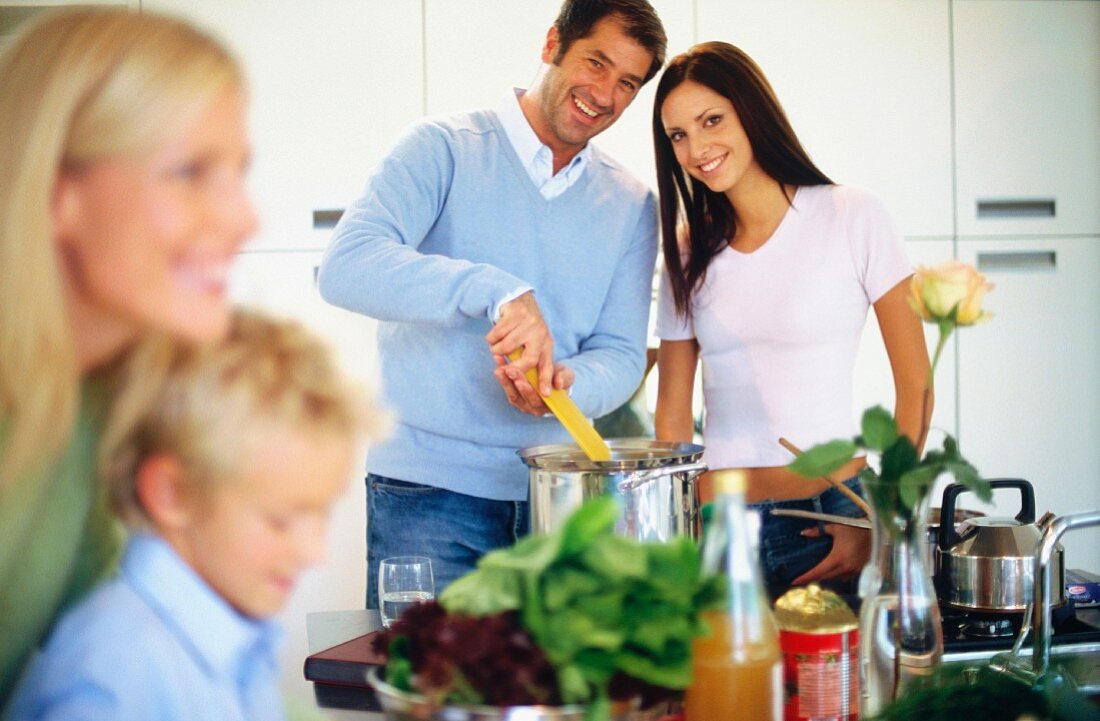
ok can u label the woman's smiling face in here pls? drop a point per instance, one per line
(707, 137)
(146, 241)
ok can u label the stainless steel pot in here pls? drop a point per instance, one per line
(654, 481)
(989, 563)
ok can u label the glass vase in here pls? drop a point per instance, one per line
(901, 637)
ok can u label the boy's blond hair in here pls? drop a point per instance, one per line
(211, 406)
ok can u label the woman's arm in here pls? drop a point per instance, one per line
(676, 360)
(904, 339)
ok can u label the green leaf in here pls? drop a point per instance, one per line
(532, 554)
(968, 475)
(673, 567)
(878, 428)
(914, 485)
(593, 519)
(606, 609)
(823, 459)
(897, 459)
(670, 675)
(599, 709)
(564, 584)
(572, 684)
(950, 446)
(616, 557)
(483, 591)
(883, 495)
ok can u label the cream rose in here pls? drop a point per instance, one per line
(935, 292)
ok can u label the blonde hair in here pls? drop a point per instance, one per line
(76, 86)
(209, 406)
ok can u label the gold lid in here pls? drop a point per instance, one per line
(728, 480)
(812, 609)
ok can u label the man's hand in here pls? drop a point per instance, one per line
(849, 554)
(521, 393)
(521, 326)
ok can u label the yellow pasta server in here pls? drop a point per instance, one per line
(566, 411)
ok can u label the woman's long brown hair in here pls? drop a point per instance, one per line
(705, 219)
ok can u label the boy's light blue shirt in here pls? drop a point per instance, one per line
(449, 225)
(156, 642)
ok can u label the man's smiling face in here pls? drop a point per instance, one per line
(586, 88)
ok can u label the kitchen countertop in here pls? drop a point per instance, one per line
(325, 629)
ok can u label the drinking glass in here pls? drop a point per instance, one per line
(402, 582)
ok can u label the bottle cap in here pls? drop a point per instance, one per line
(729, 481)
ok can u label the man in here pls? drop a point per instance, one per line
(485, 233)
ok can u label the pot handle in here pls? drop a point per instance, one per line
(947, 537)
(638, 478)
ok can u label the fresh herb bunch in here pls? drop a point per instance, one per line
(486, 660)
(609, 614)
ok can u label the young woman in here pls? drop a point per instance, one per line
(122, 203)
(770, 269)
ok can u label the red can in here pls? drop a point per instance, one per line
(819, 637)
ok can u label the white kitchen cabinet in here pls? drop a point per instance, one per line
(284, 283)
(457, 79)
(333, 84)
(866, 85)
(1027, 100)
(1029, 379)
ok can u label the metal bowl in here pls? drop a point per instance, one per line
(401, 705)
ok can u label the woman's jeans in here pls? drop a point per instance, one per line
(785, 554)
(452, 529)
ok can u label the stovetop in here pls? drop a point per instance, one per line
(965, 631)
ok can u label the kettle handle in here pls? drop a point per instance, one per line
(947, 537)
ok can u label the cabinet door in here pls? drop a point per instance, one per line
(458, 78)
(866, 84)
(1029, 379)
(332, 86)
(284, 283)
(1027, 99)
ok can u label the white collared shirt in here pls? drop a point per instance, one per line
(538, 159)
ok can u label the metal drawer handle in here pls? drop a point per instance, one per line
(326, 219)
(1016, 208)
(1022, 260)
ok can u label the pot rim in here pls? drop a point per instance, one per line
(627, 454)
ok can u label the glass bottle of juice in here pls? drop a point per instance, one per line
(738, 667)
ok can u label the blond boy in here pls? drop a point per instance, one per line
(224, 461)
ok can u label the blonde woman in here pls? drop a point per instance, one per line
(122, 203)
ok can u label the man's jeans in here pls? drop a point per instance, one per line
(452, 529)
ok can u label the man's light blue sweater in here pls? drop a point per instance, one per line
(449, 225)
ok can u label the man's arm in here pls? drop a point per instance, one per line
(373, 265)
